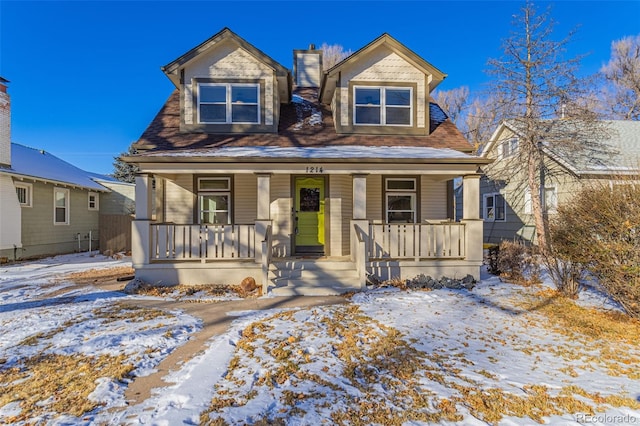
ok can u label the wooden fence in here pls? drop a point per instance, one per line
(115, 232)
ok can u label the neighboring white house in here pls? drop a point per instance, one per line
(506, 204)
(307, 183)
(48, 206)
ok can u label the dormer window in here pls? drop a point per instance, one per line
(225, 103)
(386, 106)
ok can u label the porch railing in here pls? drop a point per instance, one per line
(202, 242)
(417, 241)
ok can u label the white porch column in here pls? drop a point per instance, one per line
(140, 232)
(264, 196)
(471, 219)
(264, 212)
(143, 197)
(471, 197)
(359, 196)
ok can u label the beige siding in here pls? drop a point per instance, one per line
(245, 198)
(433, 199)
(340, 214)
(281, 204)
(374, 198)
(180, 199)
(386, 66)
(228, 61)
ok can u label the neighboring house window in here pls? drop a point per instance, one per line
(24, 193)
(509, 147)
(214, 200)
(494, 207)
(93, 201)
(400, 195)
(549, 202)
(389, 106)
(228, 103)
(61, 206)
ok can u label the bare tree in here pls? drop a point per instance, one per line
(332, 54)
(453, 102)
(621, 95)
(534, 84)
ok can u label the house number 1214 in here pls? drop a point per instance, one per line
(314, 169)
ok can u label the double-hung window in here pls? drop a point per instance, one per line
(549, 200)
(93, 201)
(214, 200)
(227, 103)
(388, 106)
(61, 206)
(24, 193)
(494, 207)
(400, 194)
(509, 147)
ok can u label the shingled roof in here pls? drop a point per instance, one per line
(303, 123)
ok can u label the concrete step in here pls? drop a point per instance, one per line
(306, 290)
(314, 274)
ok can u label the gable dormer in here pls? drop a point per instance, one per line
(228, 86)
(382, 88)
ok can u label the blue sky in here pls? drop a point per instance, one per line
(85, 77)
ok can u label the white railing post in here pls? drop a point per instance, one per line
(359, 248)
(266, 258)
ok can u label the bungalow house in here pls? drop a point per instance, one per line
(306, 181)
(48, 206)
(506, 203)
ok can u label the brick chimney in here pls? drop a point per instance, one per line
(307, 67)
(5, 124)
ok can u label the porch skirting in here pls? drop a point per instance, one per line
(408, 269)
(197, 273)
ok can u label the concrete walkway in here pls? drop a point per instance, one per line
(215, 320)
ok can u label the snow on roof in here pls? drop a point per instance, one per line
(330, 152)
(41, 165)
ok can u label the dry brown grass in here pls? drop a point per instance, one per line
(181, 291)
(98, 275)
(57, 384)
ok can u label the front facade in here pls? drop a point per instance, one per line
(506, 203)
(246, 172)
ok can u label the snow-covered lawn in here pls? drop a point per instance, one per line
(499, 354)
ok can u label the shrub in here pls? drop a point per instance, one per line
(599, 230)
(517, 263)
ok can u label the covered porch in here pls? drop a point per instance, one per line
(358, 230)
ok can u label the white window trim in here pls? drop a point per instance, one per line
(67, 206)
(226, 192)
(383, 106)
(29, 192)
(485, 210)
(97, 201)
(228, 103)
(401, 192)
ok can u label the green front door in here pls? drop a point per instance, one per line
(309, 215)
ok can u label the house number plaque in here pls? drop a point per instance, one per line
(314, 169)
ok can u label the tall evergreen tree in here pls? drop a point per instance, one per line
(125, 172)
